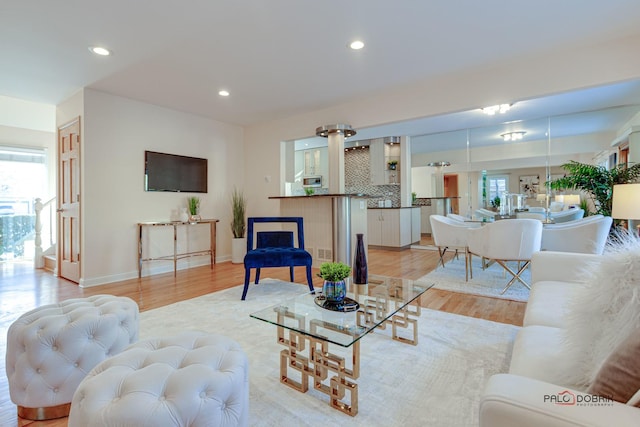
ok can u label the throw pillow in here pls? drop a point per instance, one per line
(619, 376)
(605, 313)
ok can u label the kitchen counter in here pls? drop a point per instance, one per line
(331, 222)
(395, 207)
(359, 195)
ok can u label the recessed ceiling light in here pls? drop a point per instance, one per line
(356, 45)
(502, 108)
(223, 93)
(99, 50)
(513, 136)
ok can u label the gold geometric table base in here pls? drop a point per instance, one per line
(311, 359)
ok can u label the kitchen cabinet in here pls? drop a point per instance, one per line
(312, 162)
(380, 155)
(392, 227)
(416, 229)
(316, 161)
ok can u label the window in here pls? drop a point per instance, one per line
(23, 177)
(497, 186)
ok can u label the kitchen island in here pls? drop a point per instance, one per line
(331, 222)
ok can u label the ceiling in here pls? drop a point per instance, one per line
(284, 57)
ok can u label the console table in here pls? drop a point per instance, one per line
(176, 256)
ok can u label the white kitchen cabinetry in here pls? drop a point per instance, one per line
(313, 162)
(390, 227)
(416, 229)
(380, 155)
(316, 161)
(425, 224)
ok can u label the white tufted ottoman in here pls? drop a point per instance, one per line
(191, 379)
(50, 349)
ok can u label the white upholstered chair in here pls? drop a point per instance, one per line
(450, 234)
(566, 215)
(506, 240)
(457, 217)
(540, 216)
(537, 209)
(485, 213)
(588, 235)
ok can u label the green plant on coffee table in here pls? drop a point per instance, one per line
(495, 202)
(334, 271)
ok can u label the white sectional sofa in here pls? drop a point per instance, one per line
(534, 392)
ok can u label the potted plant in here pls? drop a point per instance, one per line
(334, 288)
(393, 164)
(238, 226)
(495, 203)
(194, 208)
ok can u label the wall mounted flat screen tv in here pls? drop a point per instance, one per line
(171, 172)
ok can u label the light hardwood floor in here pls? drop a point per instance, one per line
(22, 288)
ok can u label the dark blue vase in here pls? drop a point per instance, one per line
(334, 292)
(360, 262)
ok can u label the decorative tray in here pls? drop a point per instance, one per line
(345, 305)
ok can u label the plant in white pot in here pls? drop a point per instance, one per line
(238, 226)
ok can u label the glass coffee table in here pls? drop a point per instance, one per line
(307, 325)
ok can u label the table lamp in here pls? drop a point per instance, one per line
(572, 200)
(626, 201)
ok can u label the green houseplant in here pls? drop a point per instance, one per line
(596, 181)
(495, 202)
(194, 207)
(238, 226)
(334, 288)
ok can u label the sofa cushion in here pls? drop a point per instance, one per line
(603, 316)
(619, 376)
(549, 303)
(539, 353)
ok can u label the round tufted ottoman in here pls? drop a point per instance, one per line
(50, 349)
(191, 379)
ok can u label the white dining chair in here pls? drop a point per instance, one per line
(566, 215)
(533, 215)
(457, 217)
(504, 241)
(587, 235)
(485, 213)
(450, 234)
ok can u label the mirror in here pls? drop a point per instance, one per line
(521, 164)
(579, 125)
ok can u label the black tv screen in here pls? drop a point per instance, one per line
(171, 172)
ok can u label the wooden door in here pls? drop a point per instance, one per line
(69, 201)
(451, 190)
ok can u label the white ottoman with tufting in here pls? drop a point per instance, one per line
(191, 379)
(50, 349)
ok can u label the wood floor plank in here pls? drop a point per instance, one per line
(23, 288)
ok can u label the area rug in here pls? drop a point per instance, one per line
(436, 383)
(489, 282)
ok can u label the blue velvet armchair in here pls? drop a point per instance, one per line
(275, 249)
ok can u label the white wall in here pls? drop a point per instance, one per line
(116, 132)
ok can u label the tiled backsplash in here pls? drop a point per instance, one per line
(357, 179)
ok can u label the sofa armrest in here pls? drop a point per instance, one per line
(561, 266)
(512, 400)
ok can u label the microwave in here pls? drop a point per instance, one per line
(312, 181)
